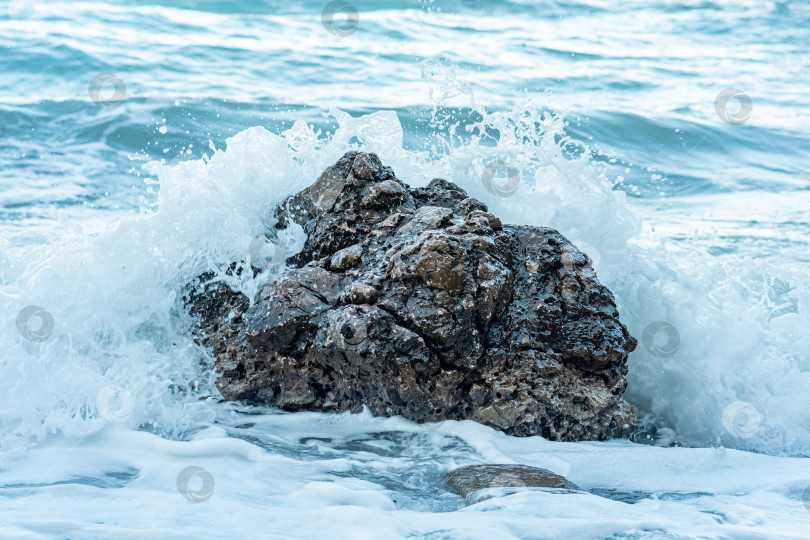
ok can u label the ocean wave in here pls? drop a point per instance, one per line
(115, 292)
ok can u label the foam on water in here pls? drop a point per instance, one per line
(697, 226)
(311, 475)
(115, 291)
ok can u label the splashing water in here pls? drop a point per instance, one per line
(114, 291)
(693, 213)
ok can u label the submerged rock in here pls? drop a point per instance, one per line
(421, 303)
(480, 482)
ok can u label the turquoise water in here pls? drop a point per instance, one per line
(640, 78)
(142, 143)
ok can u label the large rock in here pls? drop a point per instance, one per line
(420, 303)
(477, 483)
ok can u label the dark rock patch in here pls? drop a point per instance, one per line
(480, 482)
(421, 303)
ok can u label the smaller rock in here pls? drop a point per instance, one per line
(384, 194)
(360, 293)
(346, 258)
(478, 483)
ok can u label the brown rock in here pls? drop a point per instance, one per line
(480, 482)
(420, 303)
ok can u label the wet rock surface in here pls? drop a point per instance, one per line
(421, 303)
(480, 482)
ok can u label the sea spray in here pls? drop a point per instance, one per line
(114, 291)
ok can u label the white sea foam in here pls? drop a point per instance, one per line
(114, 293)
(119, 358)
(310, 475)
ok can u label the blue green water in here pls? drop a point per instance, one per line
(640, 77)
(144, 142)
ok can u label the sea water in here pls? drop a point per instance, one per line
(145, 142)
